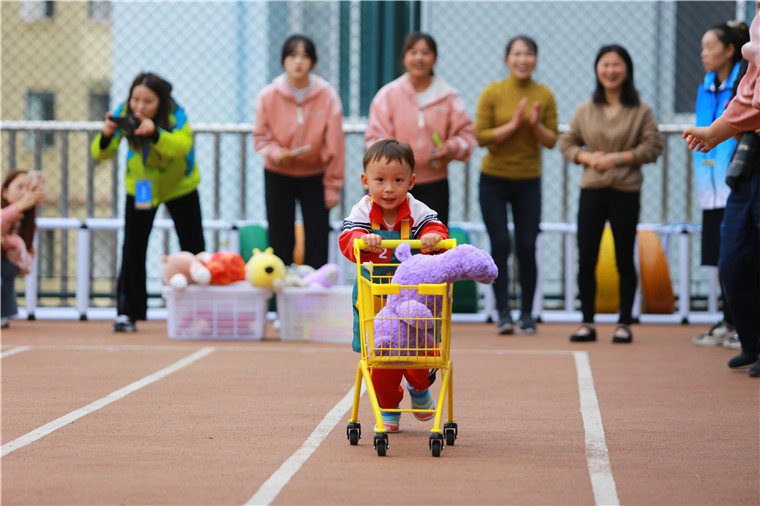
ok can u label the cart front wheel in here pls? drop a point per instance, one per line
(436, 444)
(450, 430)
(354, 433)
(381, 444)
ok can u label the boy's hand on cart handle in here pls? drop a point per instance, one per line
(430, 242)
(372, 243)
(414, 243)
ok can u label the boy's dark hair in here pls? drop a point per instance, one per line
(290, 46)
(391, 150)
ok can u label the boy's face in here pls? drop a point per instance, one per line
(388, 182)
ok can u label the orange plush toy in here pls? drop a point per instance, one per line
(226, 267)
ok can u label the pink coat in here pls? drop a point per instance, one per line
(395, 113)
(13, 245)
(743, 112)
(318, 122)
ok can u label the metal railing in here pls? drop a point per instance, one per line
(66, 263)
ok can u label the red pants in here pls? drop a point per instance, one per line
(387, 383)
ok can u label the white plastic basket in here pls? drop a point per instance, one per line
(237, 311)
(316, 314)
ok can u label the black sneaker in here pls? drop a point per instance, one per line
(506, 327)
(526, 325)
(754, 371)
(122, 323)
(742, 361)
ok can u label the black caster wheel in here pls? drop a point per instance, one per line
(381, 444)
(450, 431)
(436, 444)
(354, 433)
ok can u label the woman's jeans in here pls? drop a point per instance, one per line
(524, 199)
(739, 262)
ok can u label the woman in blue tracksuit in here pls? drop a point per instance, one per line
(721, 56)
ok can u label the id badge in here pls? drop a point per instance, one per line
(143, 194)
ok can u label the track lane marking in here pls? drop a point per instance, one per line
(277, 481)
(597, 456)
(64, 420)
(15, 351)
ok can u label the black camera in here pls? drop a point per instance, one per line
(128, 123)
(745, 158)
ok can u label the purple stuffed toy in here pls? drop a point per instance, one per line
(406, 320)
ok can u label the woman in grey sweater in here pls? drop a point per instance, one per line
(612, 136)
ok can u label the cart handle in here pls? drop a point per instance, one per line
(413, 243)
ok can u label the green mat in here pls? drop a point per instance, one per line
(254, 236)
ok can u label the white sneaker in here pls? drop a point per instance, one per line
(715, 336)
(122, 323)
(733, 342)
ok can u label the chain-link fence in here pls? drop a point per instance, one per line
(70, 62)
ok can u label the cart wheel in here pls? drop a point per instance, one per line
(436, 446)
(381, 444)
(450, 430)
(354, 433)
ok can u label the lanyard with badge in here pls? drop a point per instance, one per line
(144, 189)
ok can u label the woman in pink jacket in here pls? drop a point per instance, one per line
(420, 109)
(299, 133)
(20, 198)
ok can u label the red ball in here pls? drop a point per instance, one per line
(226, 267)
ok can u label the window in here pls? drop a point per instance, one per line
(98, 105)
(384, 26)
(100, 10)
(36, 10)
(40, 107)
(692, 20)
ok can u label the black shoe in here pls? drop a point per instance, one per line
(754, 371)
(742, 361)
(585, 334)
(622, 334)
(122, 323)
(506, 326)
(526, 325)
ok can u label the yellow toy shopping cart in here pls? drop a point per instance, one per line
(395, 337)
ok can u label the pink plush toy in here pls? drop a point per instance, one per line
(326, 276)
(182, 268)
(406, 319)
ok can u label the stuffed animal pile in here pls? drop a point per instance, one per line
(406, 321)
(183, 268)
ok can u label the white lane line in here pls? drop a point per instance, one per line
(274, 485)
(597, 456)
(14, 351)
(102, 402)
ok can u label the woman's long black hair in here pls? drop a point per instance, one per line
(629, 96)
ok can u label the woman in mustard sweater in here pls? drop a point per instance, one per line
(514, 119)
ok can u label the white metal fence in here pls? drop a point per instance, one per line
(79, 229)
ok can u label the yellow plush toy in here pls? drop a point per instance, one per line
(264, 267)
